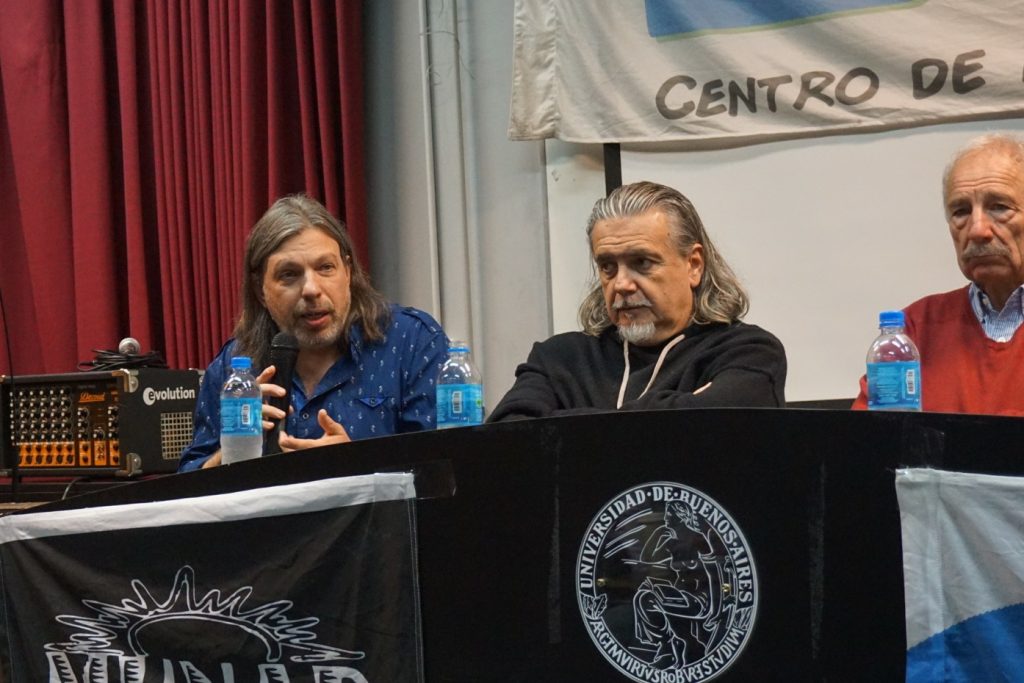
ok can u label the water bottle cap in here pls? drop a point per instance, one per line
(891, 319)
(241, 363)
(458, 347)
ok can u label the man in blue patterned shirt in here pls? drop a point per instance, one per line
(364, 368)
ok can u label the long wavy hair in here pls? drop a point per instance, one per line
(718, 298)
(286, 218)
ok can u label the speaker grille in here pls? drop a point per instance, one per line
(175, 433)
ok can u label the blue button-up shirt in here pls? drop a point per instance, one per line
(373, 390)
(1001, 325)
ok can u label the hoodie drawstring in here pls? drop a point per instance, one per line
(654, 374)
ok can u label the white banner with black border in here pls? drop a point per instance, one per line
(729, 72)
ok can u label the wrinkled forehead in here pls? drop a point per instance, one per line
(998, 160)
(310, 238)
(653, 231)
(309, 243)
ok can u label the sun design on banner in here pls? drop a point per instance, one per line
(134, 627)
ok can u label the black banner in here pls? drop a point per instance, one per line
(292, 583)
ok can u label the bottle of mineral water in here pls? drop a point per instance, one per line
(894, 367)
(460, 391)
(241, 414)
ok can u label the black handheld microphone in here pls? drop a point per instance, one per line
(284, 350)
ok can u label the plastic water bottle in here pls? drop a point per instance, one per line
(460, 391)
(894, 367)
(241, 414)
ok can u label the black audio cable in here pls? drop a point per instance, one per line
(10, 397)
(115, 360)
(71, 485)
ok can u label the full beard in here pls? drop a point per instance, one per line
(317, 339)
(308, 339)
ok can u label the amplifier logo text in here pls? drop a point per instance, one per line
(151, 395)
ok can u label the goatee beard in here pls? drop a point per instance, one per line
(637, 333)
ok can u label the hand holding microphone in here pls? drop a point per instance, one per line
(284, 350)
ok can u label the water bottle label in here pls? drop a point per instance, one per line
(894, 386)
(241, 416)
(459, 405)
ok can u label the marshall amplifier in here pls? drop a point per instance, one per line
(114, 423)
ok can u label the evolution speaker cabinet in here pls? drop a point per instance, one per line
(116, 423)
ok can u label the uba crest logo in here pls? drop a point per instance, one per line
(666, 584)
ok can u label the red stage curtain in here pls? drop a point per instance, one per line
(139, 142)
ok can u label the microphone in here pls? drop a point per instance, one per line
(284, 350)
(128, 355)
(129, 346)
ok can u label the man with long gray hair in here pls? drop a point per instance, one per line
(364, 368)
(661, 327)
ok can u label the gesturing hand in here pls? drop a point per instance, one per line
(333, 433)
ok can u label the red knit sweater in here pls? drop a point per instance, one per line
(962, 370)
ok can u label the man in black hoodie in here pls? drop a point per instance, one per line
(661, 327)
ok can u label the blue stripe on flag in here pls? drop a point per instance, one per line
(988, 647)
(670, 17)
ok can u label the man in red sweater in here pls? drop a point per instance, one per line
(971, 351)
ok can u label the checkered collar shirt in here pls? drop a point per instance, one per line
(1001, 325)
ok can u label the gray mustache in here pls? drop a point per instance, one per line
(635, 301)
(983, 249)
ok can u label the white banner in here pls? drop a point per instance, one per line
(728, 72)
(963, 566)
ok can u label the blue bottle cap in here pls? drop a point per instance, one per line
(891, 319)
(241, 363)
(458, 347)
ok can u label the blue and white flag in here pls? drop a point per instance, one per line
(303, 582)
(963, 565)
(728, 72)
